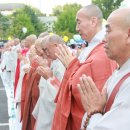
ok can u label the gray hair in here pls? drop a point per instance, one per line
(32, 38)
(43, 34)
(40, 41)
(54, 39)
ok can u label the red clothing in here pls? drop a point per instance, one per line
(23, 93)
(69, 111)
(17, 73)
(31, 97)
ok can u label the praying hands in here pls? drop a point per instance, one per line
(92, 99)
(65, 55)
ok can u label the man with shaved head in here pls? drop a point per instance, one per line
(92, 61)
(110, 109)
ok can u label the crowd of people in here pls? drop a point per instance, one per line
(51, 86)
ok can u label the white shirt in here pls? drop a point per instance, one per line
(118, 116)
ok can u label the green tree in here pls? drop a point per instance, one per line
(34, 13)
(65, 24)
(26, 17)
(57, 10)
(4, 26)
(107, 6)
(21, 20)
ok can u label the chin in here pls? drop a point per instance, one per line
(83, 37)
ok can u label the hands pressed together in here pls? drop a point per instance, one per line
(45, 72)
(92, 99)
(41, 61)
(64, 54)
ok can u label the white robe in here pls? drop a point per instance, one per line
(18, 91)
(118, 116)
(45, 107)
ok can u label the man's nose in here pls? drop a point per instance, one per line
(77, 28)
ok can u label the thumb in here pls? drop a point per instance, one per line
(104, 93)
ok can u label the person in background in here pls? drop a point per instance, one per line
(53, 75)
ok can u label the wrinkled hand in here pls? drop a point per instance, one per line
(32, 52)
(41, 61)
(45, 72)
(92, 99)
(26, 70)
(64, 55)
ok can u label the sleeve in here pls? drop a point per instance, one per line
(72, 67)
(95, 119)
(118, 116)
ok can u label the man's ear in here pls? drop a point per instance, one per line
(56, 44)
(94, 21)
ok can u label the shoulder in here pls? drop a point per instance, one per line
(123, 97)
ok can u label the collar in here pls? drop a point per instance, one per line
(125, 66)
(98, 37)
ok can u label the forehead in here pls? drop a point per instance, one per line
(32, 48)
(37, 45)
(48, 44)
(116, 20)
(27, 40)
(81, 15)
(37, 42)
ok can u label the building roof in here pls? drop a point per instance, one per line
(10, 6)
(45, 19)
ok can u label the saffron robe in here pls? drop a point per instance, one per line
(23, 93)
(31, 97)
(45, 107)
(69, 111)
(118, 116)
(17, 73)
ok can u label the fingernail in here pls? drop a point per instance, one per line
(80, 78)
(84, 75)
(78, 85)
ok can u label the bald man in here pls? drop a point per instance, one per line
(36, 57)
(92, 61)
(29, 43)
(46, 106)
(110, 110)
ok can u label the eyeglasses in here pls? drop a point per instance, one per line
(45, 50)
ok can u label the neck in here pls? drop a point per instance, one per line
(121, 62)
(97, 30)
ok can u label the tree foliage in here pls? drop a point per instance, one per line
(57, 10)
(65, 24)
(4, 26)
(26, 17)
(107, 6)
